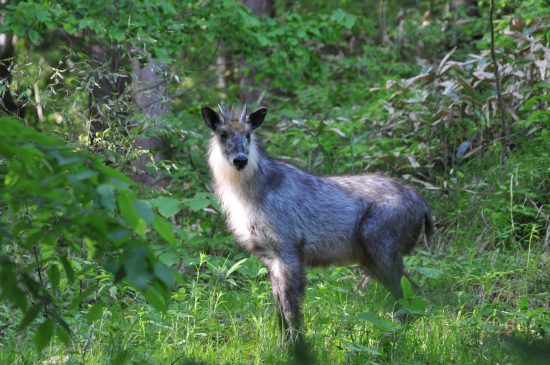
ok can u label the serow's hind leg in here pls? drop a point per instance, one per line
(391, 277)
(388, 271)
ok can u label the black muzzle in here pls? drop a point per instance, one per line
(240, 161)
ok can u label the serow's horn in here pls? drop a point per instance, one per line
(225, 116)
(243, 115)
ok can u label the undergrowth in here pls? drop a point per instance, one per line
(485, 278)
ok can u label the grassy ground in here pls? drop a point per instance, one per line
(476, 299)
(485, 279)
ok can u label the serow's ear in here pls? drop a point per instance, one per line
(257, 117)
(211, 118)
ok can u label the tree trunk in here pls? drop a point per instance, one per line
(110, 84)
(148, 91)
(260, 7)
(249, 92)
(109, 101)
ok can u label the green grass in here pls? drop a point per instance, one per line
(476, 298)
(485, 278)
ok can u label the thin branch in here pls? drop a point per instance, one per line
(500, 105)
(39, 271)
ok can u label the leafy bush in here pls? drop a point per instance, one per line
(448, 113)
(66, 222)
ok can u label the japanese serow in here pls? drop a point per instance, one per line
(291, 219)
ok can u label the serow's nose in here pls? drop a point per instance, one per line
(240, 162)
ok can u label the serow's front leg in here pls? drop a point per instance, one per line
(288, 282)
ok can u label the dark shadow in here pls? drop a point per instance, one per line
(532, 352)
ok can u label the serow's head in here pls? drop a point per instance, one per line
(234, 132)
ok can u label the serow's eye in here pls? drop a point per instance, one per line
(223, 136)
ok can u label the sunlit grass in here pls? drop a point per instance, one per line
(475, 298)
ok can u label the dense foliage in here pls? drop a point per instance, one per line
(65, 212)
(97, 268)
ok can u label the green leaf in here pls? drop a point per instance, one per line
(167, 207)
(354, 347)
(157, 297)
(164, 229)
(382, 323)
(412, 303)
(198, 202)
(135, 265)
(30, 315)
(107, 196)
(53, 275)
(127, 207)
(429, 272)
(83, 175)
(343, 18)
(44, 335)
(262, 40)
(144, 211)
(95, 312)
(9, 285)
(83, 23)
(408, 291)
(545, 136)
(90, 245)
(169, 257)
(117, 34)
(11, 178)
(63, 335)
(47, 246)
(164, 274)
(33, 238)
(34, 36)
(116, 177)
(68, 268)
(234, 267)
